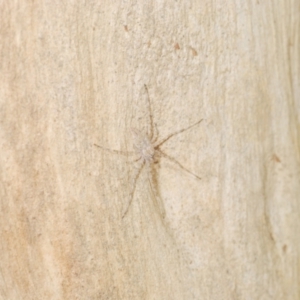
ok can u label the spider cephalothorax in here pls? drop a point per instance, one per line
(143, 146)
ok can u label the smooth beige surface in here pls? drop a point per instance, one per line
(72, 74)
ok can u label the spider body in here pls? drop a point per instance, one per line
(143, 146)
(147, 150)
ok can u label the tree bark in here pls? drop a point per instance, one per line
(73, 74)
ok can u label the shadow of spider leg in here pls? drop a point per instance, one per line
(157, 200)
(133, 186)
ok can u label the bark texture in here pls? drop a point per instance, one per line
(72, 75)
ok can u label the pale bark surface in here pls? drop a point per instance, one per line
(71, 75)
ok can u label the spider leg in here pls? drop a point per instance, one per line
(150, 113)
(177, 163)
(176, 132)
(135, 178)
(155, 135)
(126, 153)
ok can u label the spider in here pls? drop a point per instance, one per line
(147, 149)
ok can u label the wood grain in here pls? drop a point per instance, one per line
(71, 75)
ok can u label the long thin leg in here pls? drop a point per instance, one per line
(150, 113)
(155, 135)
(126, 153)
(176, 132)
(177, 163)
(135, 178)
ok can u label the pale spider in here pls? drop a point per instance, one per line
(147, 149)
